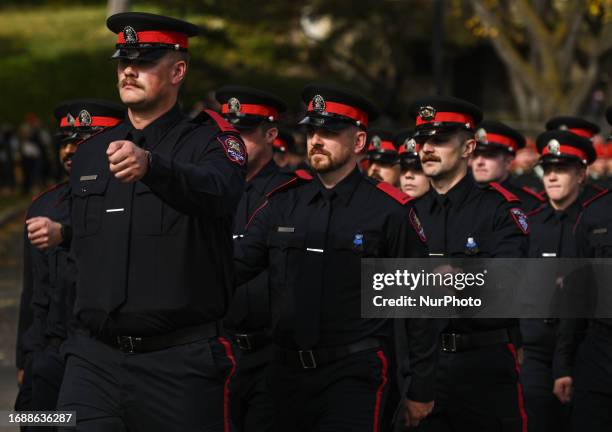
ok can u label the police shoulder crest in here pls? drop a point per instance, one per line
(234, 148)
(521, 219)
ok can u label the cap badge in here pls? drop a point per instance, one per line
(85, 118)
(70, 120)
(563, 127)
(471, 247)
(410, 145)
(554, 147)
(376, 142)
(129, 35)
(481, 136)
(358, 242)
(318, 103)
(233, 105)
(427, 113)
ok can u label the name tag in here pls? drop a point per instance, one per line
(286, 229)
(436, 254)
(549, 254)
(235, 236)
(314, 250)
(600, 230)
(89, 177)
(116, 210)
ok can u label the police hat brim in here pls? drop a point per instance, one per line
(334, 124)
(424, 132)
(149, 55)
(412, 162)
(492, 149)
(386, 158)
(551, 159)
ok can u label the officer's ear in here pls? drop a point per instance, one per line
(581, 173)
(179, 62)
(360, 141)
(469, 145)
(271, 134)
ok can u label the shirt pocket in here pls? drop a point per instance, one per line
(88, 206)
(601, 243)
(286, 251)
(477, 245)
(147, 210)
(359, 245)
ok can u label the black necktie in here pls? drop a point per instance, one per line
(444, 203)
(309, 292)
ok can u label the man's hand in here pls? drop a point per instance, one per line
(416, 412)
(128, 162)
(20, 373)
(43, 232)
(563, 389)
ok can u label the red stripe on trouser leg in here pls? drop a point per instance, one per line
(379, 392)
(519, 388)
(230, 355)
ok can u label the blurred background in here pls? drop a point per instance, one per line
(522, 61)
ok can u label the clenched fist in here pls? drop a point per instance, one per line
(127, 161)
(43, 232)
(416, 412)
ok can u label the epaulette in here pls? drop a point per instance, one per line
(537, 210)
(52, 188)
(221, 123)
(533, 193)
(603, 192)
(300, 177)
(509, 196)
(394, 193)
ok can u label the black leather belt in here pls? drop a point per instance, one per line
(248, 342)
(311, 359)
(457, 342)
(137, 344)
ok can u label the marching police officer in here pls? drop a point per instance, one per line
(48, 269)
(477, 377)
(153, 200)
(496, 147)
(565, 157)
(412, 179)
(332, 369)
(255, 113)
(583, 373)
(383, 158)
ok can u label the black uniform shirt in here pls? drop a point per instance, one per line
(477, 222)
(250, 307)
(155, 255)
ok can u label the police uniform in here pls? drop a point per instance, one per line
(492, 137)
(584, 348)
(48, 273)
(331, 369)
(154, 257)
(477, 384)
(248, 317)
(552, 236)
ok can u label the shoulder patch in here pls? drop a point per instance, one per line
(301, 176)
(603, 192)
(52, 188)
(394, 193)
(521, 219)
(509, 196)
(223, 124)
(234, 148)
(533, 193)
(417, 225)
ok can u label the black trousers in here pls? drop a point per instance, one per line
(478, 390)
(346, 395)
(592, 400)
(251, 405)
(182, 388)
(47, 374)
(545, 413)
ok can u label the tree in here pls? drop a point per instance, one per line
(553, 50)
(116, 6)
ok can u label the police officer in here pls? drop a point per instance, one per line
(331, 369)
(282, 145)
(255, 113)
(152, 210)
(477, 376)
(412, 179)
(564, 160)
(583, 373)
(496, 147)
(48, 268)
(383, 158)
